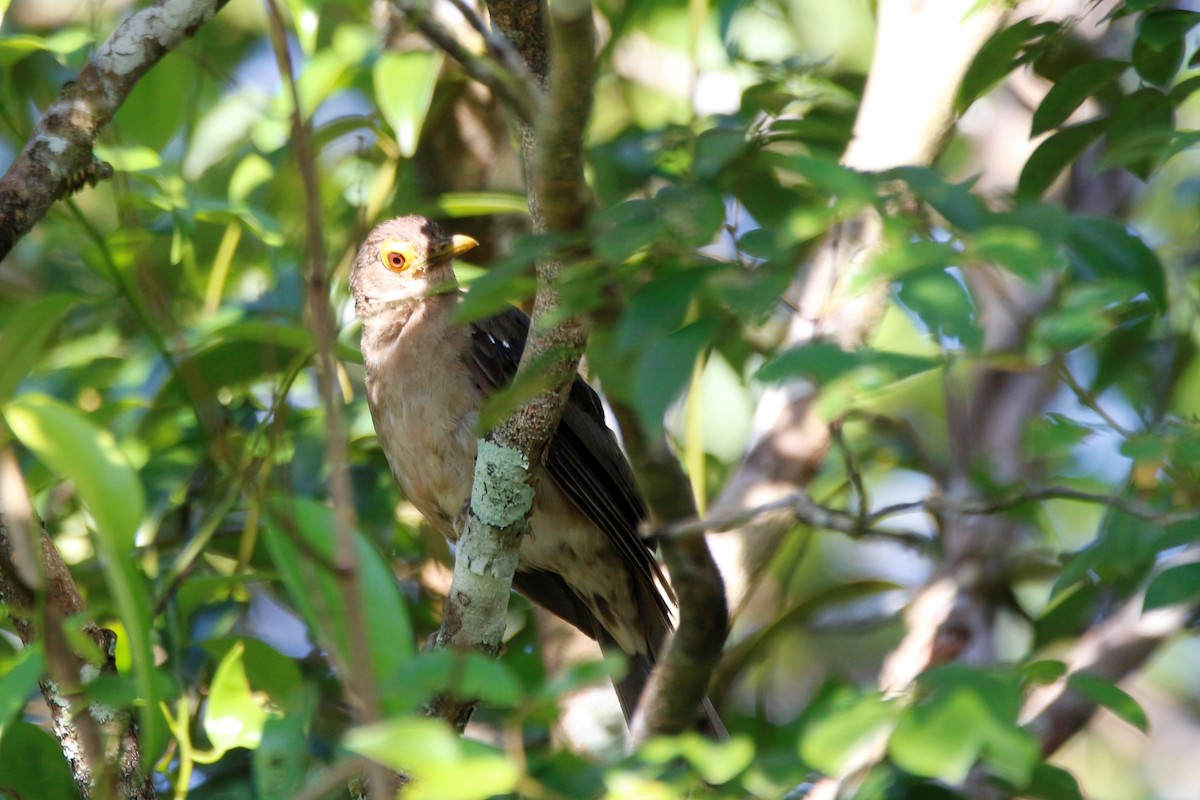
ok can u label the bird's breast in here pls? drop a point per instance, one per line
(425, 406)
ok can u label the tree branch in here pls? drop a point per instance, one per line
(906, 111)
(39, 593)
(57, 160)
(1111, 650)
(504, 74)
(502, 494)
(364, 693)
(677, 687)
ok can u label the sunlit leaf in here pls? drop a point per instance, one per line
(233, 715)
(442, 765)
(1104, 693)
(131, 158)
(475, 204)
(717, 762)
(404, 82)
(940, 738)
(842, 723)
(74, 447)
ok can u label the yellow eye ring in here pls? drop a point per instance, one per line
(397, 256)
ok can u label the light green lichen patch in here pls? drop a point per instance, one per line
(499, 493)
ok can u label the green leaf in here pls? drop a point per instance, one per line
(465, 675)
(1071, 90)
(1157, 65)
(1043, 672)
(234, 715)
(1181, 91)
(944, 307)
(1101, 248)
(1052, 783)
(296, 529)
(942, 737)
(18, 679)
(954, 201)
(716, 762)
(1163, 28)
(32, 765)
(72, 446)
(64, 42)
(1104, 693)
(839, 724)
(1054, 435)
(1000, 55)
(130, 158)
(1068, 613)
(1141, 131)
(1179, 584)
(1019, 250)
(665, 367)
(824, 362)
(241, 353)
(1054, 155)
(476, 204)
(442, 765)
(404, 83)
(690, 216)
(24, 336)
(75, 448)
(279, 759)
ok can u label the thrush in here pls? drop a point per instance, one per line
(427, 378)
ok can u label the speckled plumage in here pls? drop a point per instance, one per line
(427, 379)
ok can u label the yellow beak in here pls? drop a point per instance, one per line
(458, 244)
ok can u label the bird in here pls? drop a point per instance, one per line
(427, 378)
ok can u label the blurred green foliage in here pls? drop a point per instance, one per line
(156, 380)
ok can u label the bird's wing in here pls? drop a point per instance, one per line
(583, 456)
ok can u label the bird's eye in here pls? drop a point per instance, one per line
(397, 256)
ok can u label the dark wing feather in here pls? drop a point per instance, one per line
(586, 462)
(583, 457)
(551, 592)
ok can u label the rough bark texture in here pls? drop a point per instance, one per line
(486, 553)
(57, 160)
(678, 685)
(101, 745)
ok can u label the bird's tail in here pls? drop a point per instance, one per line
(631, 687)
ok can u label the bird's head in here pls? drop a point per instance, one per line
(404, 259)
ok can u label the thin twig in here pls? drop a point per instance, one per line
(358, 673)
(808, 511)
(513, 88)
(57, 160)
(499, 46)
(1086, 398)
(838, 438)
(805, 510)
